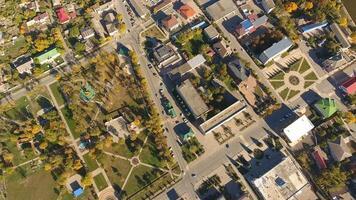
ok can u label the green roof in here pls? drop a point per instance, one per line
(48, 55)
(87, 93)
(326, 107)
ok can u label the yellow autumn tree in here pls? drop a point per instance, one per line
(343, 21)
(291, 7)
(353, 37)
(308, 5)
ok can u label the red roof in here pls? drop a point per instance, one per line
(170, 21)
(186, 11)
(350, 85)
(319, 160)
(62, 15)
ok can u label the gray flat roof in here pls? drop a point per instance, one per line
(192, 98)
(220, 9)
(139, 8)
(211, 32)
(340, 35)
(196, 61)
(276, 49)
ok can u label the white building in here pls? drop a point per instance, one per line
(296, 130)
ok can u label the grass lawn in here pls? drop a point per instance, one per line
(24, 184)
(308, 83)
(284, 93)
(14, 50)
(292, 93)
(91, 163)
(19, 157)
(116, 169)
(100, 182)
(149, 155)
(311, 76)
(115, 103)
(40, 99)
(70, 121)
(278, 76)
(19, 112)
(140, 177)
(304, 67)
(57, 93)
(277, 84)
(295, 65)
(124, 149)
(153, 31)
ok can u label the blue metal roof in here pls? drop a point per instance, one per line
(78, 192)
(246, 24)
(313, 26)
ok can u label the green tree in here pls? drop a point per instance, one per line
(332, 177)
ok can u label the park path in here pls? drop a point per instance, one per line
(25, 163)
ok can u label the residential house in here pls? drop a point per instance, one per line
(326, 107)
(334, 62)
(47, 56)
(165, 55)
(320, 158)
(339, 149)
(340, 36)
(349, 86)
(39, 20)
(23, 64)
(298, 129)
(311, 27)
(179, 72)
(221, 9)
(165, 4)
(221, 48)
(211, 33)
(30, 5)
(268, 5)
(170, 22)
(187, 12)
(73, 185)
(117, 128)
(192, 99)
(109, 23)
(87, 33)
(139, 8)
(274, 51)
(62, 15)
(250, 24)
(109, 5)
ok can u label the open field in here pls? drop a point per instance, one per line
(149, 155)
(140, 177)
(19, 112)
(123, 148)
(100, 182)
(70, 121)
(91, 163)
(115, 168)
(55, 88)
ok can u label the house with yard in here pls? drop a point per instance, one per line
(211, 33)
(339, 149)
(87, 33)
(250, 24)
(187, 12)
(334, 62)
(110, 24)
(41, 20)
(312, 27)
(117, 128)
(326, 107)
(221, 48)
(47, 56)
(280, 178)
(340, 36)
(170, 22)
(221, 9)
(274, 51)
(349, 86)
(295, 131)
(268, 6)
(192, 99)
(165, 55)
(178, 73)
(23, 64)
(73, 185)
(62, 15)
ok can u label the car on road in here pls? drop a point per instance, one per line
(160, 91)
(185, 120)
(154, 74)
(194, 175)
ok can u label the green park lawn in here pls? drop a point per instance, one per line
(311, 76)
(278, 77)
(57, 93)
(292, 93)
(308, 83)
(284, 93)
(100, 182)
(20, 185)
(149, 155)
(19, 112)
(304, 66)
(91, 163)
(295, 65)
(124, 148)
(139, 178)
(70, 121)
(116, 169)
(277, 84)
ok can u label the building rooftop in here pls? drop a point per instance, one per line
(284, 181)
(47, 55)
(163, 52)
(298, 129)
(341, 37)
(211, 32)
(118, 127)
(260, 21)
(192, 98)
(161, 5)
(62, 15)
(170, 21)
(87, 32)
(339, 149)
(350, 85)
(221, 9)
(246, 24)
(276, 49)
(268, 5)
(139, 8)
(23, 64)
(326, 107)
(238, 70)
(313, 26)
(220, 48)
(186, 11)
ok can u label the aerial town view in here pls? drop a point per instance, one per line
(177, 99)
